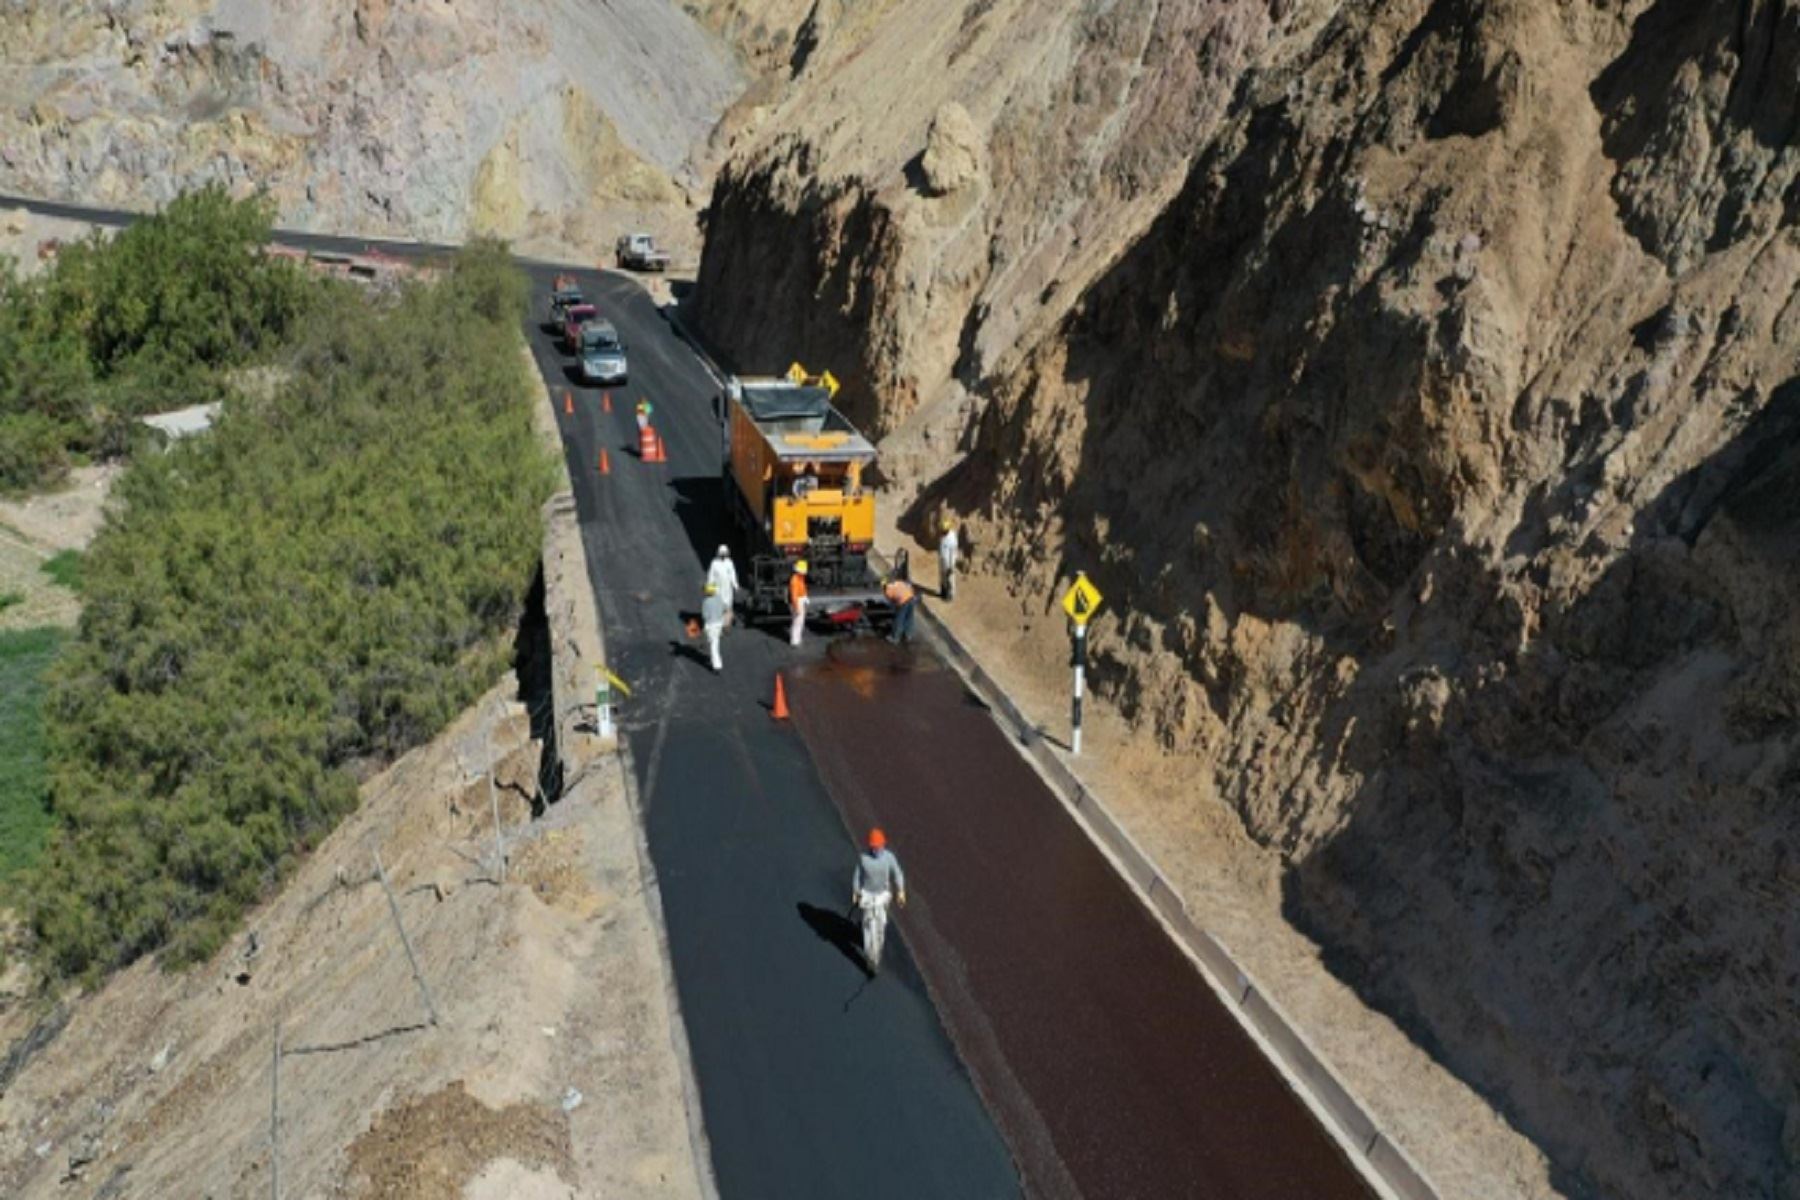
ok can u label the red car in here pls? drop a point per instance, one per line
(574, 317)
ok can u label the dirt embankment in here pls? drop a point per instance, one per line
(532, 1055)
(552, 123)
(1437, 444)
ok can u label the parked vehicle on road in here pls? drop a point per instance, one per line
(794, 470)
(602, 354)
(639, 252)
(575, 318)
(564, 293)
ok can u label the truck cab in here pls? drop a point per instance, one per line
(639, 252)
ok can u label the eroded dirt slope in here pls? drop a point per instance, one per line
(553, 122)
(537, 1082)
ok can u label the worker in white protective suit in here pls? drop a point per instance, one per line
(947, 551)
(713, 614)
(722, 574)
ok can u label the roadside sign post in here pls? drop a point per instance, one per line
(603, 700)
(1080, 602)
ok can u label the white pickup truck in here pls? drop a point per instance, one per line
(639, 252)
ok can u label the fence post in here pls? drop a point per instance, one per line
(405, 942)
(275, 1117)
(494, 804)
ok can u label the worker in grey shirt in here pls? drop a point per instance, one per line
(878, 879)
(713, 612)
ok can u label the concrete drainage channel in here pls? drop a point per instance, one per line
(1387, 1167)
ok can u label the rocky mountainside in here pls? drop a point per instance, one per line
(912, 227)
(549, 121)
(1419, 382)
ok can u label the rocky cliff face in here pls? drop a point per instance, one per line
(1437, 439)
(1442, 445)
(910, 228)
(552, 120)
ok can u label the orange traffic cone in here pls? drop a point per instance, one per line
(780, 711)
(568, 402)
(605, 462)
(693, 628)
(647, 444)
(605, 401)
(656, 442)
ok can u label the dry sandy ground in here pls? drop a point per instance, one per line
(1232, 887)
(22, 233)
(33, 529)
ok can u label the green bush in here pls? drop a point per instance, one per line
(324, 581)
(25, 657)
(141, 322)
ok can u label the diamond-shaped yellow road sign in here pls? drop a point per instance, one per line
(1081, 600)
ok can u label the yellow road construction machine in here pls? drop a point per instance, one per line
(795, 484)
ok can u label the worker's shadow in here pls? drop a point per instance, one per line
(688, 650)
(839, 930)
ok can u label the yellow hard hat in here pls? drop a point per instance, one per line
(712, 589)
(948, 522)
(800, 567)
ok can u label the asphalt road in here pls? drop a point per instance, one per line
(814, 1080)
(1112, 1070)
(1108, 1064)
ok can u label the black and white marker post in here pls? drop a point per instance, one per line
(1080, 683)
(1079, 602)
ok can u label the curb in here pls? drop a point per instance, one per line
(1383, 1164)
(583, 752)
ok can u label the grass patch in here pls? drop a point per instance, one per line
(65, 568)
(25, 658)
(8, 599)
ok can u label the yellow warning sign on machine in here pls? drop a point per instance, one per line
(1081, 600)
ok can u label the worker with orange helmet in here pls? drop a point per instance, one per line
(878, 879)
(797, 601)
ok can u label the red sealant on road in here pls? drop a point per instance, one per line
(1109, 1065)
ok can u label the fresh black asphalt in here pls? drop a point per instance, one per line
(815, 1081)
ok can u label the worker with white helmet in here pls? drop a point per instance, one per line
(713, 612)
(797, 601)
(722, 574)
(947, 548)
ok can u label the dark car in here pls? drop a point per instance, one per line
(574, 317)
